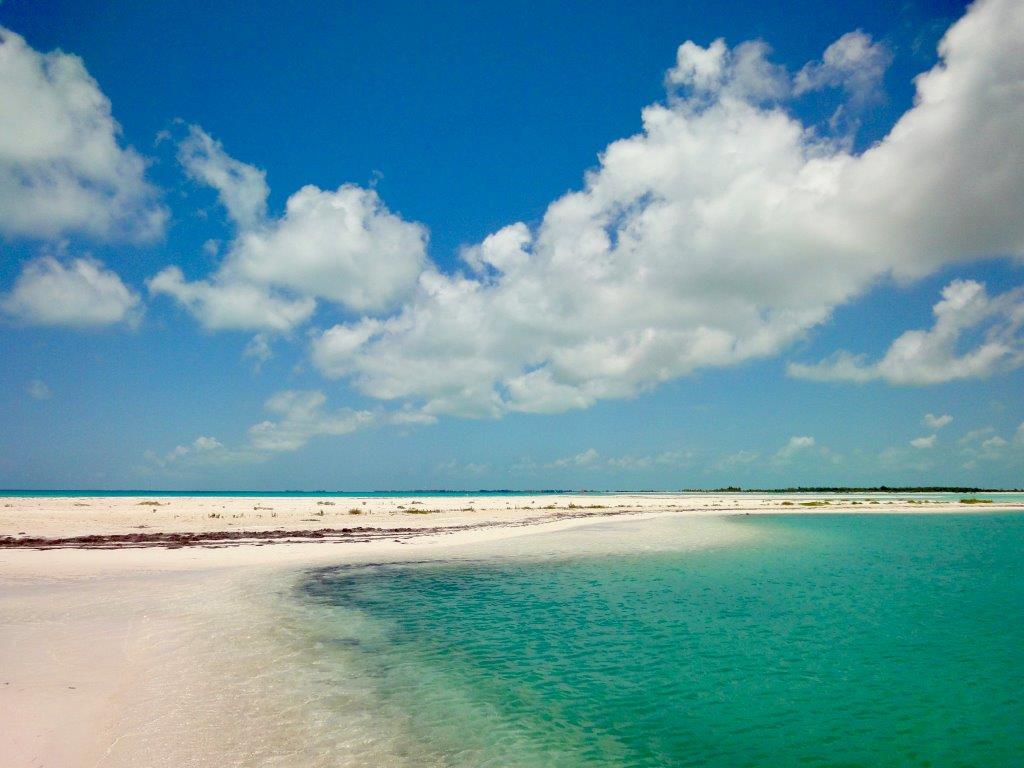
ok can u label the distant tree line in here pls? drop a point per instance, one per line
(855, 489)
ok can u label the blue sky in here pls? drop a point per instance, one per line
(399, 246)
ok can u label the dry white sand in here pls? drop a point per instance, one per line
(138, 656)
(63, 516)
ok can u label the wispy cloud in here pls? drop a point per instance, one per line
(38, 389)
(937, 422)
(932, 356)
(587, 458)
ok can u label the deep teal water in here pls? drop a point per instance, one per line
(823, 641)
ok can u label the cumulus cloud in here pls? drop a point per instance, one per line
(994, 443)
(206, 443)
(924, 442)
(300, 416)
(407, 416)
(935, 356)
(721, 233)
(743, 72)
(37, 389)
(80, 293)
(241, 188)
(587, 458)
(976, 435)
(62, 166)
(937, 422)
(202, 448)
(455, 467)
(663, 459)
(854, 63)
(343, 246)
(225, 304)
(796, 444)
(738, 459)
(259, 350)
(983, 445)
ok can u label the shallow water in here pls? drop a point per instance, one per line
(808, 640)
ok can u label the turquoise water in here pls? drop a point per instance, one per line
(825, 640)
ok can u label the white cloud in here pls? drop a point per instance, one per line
(984, 445)
(854, 63)
(994, 443)
(81, 293)
(924, 442)
(259, 350)
(504, 251)
(937, 422)
(233, 305)
(202, 448)
(796, 444)
(343, 246)
(300, 417)
(663, 459)
(455, 467)
(738, 459)
(586, 458)
(723, 232)
(37, 389)
(993, 448)
(206, 443)
(743, 72)
(406, 417)
(933, 356)
(242, 188)
(975, 435)
(62, 167)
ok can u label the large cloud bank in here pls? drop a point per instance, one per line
(722, 232)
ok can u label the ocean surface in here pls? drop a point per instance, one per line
(824, 640)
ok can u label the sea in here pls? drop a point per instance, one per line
(784, 640)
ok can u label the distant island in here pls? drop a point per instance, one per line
(857, 489)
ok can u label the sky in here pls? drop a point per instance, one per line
(567, 245)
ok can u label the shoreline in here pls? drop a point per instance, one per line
(139, 522)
